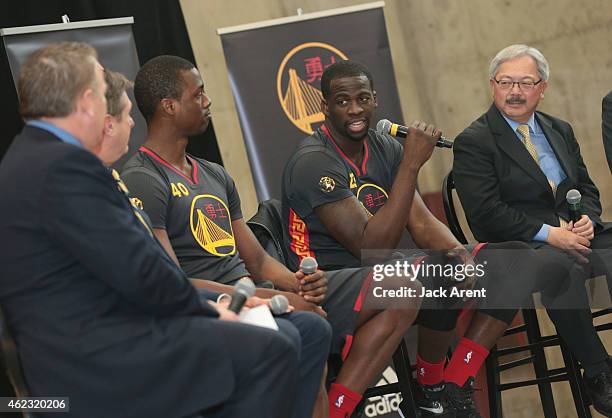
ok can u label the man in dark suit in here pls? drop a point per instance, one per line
(99, 312)
(513, 167)
(606, 126)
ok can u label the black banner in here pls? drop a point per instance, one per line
(275, 71)
(113, 40)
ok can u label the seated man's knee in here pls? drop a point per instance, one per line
(511, 245)
(274, 351)
(289, 333)
(312, 327)
(287, 350)
(407, 301)
(395, 293)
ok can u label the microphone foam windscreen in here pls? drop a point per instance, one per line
(308, 265)
(245, 286)
(573, 196)
(383, 126)
(279, 304)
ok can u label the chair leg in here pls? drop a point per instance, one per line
(493, 380)
(575, 381)
(539, 364)
(401, 361)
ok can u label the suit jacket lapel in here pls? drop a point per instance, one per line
(511, 145)
(557, 143)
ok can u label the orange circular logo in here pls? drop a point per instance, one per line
(298, 82)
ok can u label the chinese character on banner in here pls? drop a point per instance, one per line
(314, 68)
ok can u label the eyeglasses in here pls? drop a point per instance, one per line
(525, 85)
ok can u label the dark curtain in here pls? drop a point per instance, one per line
(159, 28)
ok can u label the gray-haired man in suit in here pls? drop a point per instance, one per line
(513, 167)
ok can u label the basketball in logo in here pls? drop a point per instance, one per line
(298, 83)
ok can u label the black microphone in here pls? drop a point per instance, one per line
(279, 304)
(308, 265)
(573, 198)
(243, 290)
(384, 126)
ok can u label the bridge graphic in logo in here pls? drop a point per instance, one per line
(211, 225)
(298, 82)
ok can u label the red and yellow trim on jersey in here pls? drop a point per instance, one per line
(298, 233)
(194, 165)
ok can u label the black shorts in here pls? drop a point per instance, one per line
(346, 290)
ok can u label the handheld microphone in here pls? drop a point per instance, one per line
(308, 265)
(279, 304)
(573, 198)
(243, 290)
(384, 126)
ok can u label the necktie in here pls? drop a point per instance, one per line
(523, 129)
(123, 189)
(120, 184)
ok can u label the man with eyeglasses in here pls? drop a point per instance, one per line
(513, 167)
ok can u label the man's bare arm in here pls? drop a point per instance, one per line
(264, 267)
(426, 230)
(258, 261)
(162, 237)
(164, 240)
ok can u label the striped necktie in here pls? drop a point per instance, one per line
(120, 184)
(523, 129)
(123, 189)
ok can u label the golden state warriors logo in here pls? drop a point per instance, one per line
(298, 82)
(372, 197)
(211, 225)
